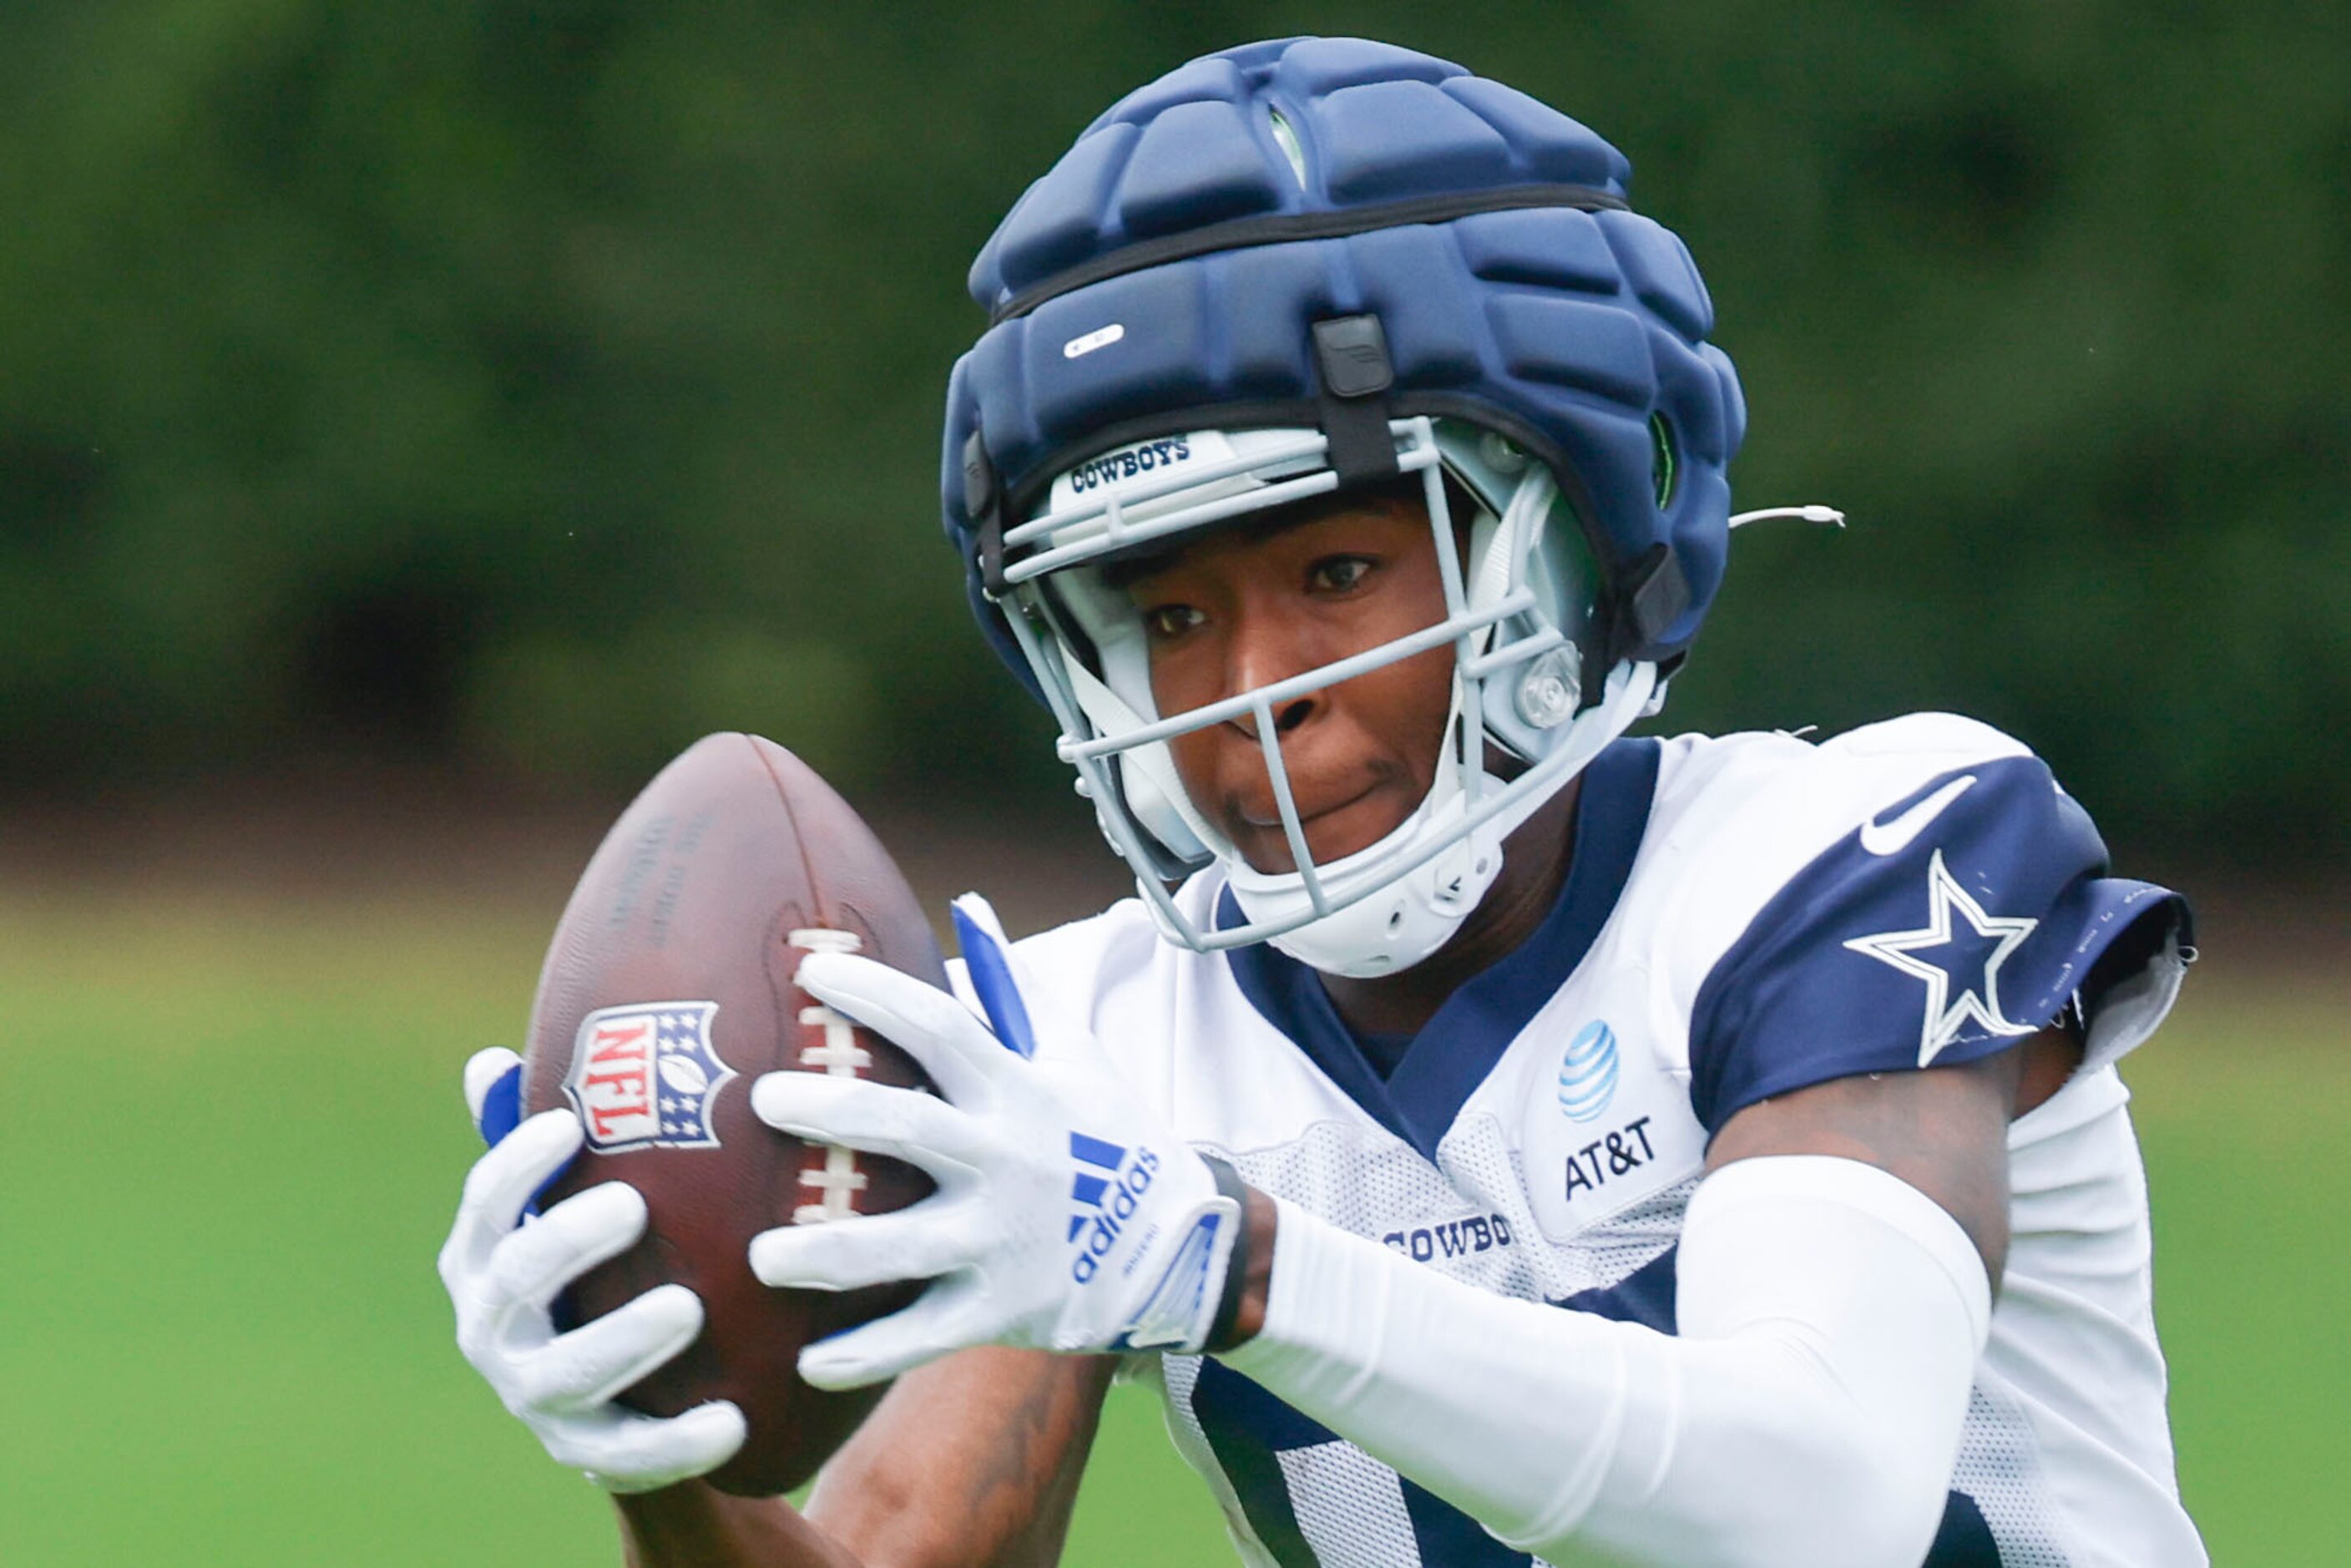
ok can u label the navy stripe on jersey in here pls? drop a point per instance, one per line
(1458, 1048)
(1246, 1426)
(1645, 1296)
(1952, 925)
(1965, 1540)
(1447, 1535)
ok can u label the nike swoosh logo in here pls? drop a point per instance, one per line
(1892, 838)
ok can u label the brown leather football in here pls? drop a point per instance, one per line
(668, 990)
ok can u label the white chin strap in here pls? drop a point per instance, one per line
(1383, 921)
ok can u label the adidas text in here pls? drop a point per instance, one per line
(1115, 1207)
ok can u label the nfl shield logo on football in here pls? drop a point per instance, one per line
(646, 1075)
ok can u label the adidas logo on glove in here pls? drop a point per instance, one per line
(1107, 1202)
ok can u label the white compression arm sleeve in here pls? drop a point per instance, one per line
(1830, 1314)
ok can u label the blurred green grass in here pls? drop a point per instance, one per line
(225, 1345)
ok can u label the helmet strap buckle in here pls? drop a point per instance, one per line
(1351, 358)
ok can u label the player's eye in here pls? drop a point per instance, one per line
(1338, 574)
(1163, 622)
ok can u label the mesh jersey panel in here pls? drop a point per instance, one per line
(1996, 1467)
(1350, 1506)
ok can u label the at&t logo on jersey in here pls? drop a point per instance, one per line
(1587, 1083)
(1609, 1156)
(646, 1075)
(1606, 1125)
(1587, 1072)
(1106, 1202)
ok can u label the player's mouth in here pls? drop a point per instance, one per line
(1334, 827)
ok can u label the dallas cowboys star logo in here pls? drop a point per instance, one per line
(1976, 999)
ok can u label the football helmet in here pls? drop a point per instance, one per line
(1313, 264)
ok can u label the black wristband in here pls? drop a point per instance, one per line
(1229, 1304)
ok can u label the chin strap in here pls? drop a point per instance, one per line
(1409, 914)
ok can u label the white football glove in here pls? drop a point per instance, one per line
(1067, 1218)
(503, 1270)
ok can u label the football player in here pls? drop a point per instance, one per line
(1498, 1140)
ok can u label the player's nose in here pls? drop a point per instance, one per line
(1258, 657)
(1288, 716)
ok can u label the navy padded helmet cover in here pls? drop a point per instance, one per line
(1566, 328)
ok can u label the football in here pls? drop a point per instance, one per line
(666, 991)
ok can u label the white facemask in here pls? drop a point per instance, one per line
(1515, 614)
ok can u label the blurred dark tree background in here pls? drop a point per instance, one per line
(530, 387)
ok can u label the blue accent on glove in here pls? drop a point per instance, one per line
(991, 979)
(501, 1108)
(501, 1114)
(1097, 1152)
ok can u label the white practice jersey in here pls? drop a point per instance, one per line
(1744, 916)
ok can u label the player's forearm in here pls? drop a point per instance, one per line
(694, 1525)
(1809, 1414)
(972, 1461)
